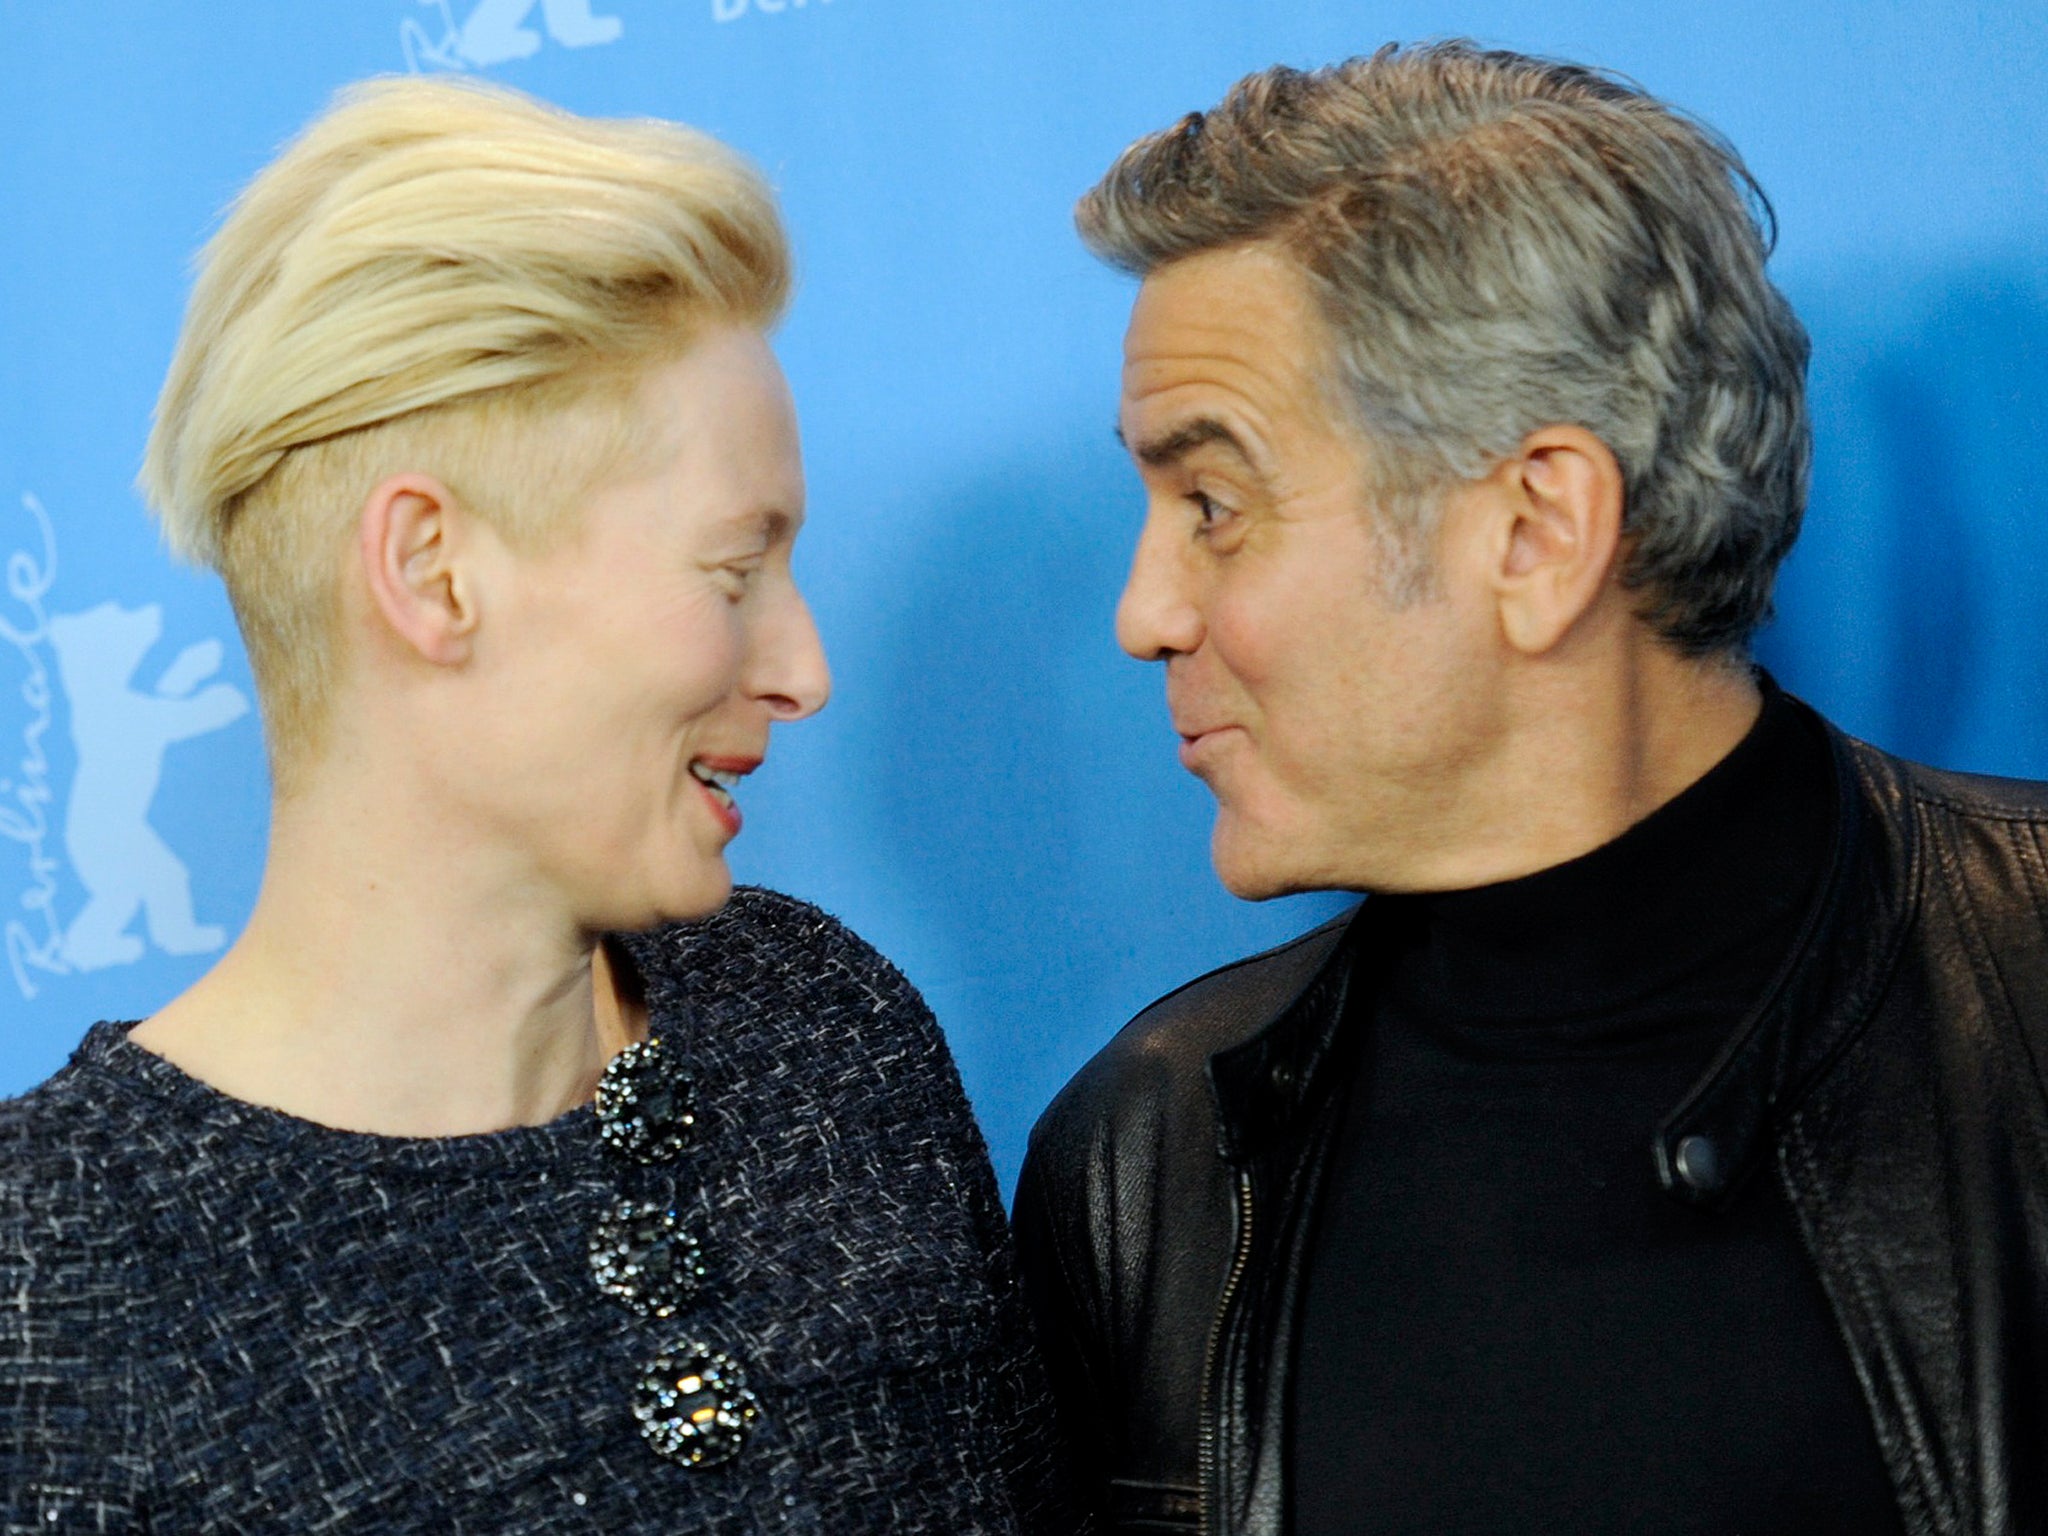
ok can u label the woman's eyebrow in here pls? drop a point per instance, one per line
(773, 522)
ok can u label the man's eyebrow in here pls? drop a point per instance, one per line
(1171, 447)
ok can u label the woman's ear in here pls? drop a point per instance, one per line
(407, 541)
(1563, 503)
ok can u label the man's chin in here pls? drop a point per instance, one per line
(1253, 867)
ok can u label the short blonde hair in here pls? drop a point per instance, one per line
(440, 276)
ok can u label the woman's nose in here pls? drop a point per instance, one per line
(793, 676)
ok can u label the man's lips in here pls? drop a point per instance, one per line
(1199, 746)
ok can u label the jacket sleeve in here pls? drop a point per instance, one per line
(1068, 1340)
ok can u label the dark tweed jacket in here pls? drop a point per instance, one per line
(217, 1317)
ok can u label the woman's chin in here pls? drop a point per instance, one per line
(698, 900)
(668, 891)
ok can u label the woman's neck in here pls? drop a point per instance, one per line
(389, 981)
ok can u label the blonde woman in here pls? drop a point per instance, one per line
(432, 1207)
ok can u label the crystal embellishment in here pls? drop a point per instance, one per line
(694, 1407)
(644, 1106)
(640, 1254)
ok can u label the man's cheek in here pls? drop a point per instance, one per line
(1251, 642)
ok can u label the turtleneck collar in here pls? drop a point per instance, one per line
(1678, 921)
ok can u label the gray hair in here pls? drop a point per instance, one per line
(1500, 243)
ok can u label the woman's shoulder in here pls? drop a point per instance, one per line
(775, 987)
(766, 948)
(65, 1146)
(67, 1222)
(69, 1294)
(60, 1127)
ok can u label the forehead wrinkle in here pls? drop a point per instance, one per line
(1241, 321)
(1160, 431)
(1201, 398)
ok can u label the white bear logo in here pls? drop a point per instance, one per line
(495, 33)
(120, 735)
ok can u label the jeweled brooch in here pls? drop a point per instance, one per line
(644, 1108)
(693, 1405)
(640, 1254)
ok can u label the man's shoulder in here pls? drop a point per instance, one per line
(1985, 832)
(1982, 796)
(1898, 783)
(1160, 1059)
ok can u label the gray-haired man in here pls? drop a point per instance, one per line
(1664, 1146)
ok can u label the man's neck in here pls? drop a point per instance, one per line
(393, 981)
(1584, 755)
(1678, 922)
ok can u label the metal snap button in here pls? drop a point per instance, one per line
(1698, 1163)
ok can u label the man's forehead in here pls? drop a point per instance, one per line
(1224, 335)
(1220, 298)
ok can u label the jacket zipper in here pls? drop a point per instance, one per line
(1207, 1442)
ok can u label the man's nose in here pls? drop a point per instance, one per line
(1156, 616)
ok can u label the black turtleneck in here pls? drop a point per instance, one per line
(1507, 1326)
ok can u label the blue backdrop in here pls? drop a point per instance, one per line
(992, 796)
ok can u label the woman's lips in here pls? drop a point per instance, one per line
(736, 764)
(716, 777)
(723, 807)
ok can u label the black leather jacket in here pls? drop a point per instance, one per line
(1894, 1078)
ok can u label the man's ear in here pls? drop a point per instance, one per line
(408, 541)
(1562, 531)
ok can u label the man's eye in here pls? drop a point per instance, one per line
(1210, 513)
